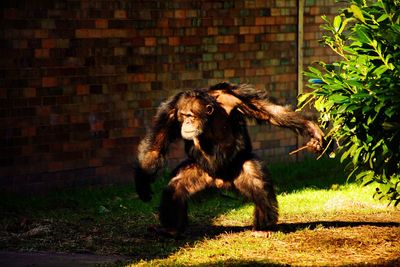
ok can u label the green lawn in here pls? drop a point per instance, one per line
(323, 221)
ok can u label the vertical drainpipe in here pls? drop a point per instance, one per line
(300, 44)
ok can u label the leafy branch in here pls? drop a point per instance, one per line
(358, 96)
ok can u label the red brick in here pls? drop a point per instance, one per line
(229, 39)
(40, 34)
(108, 143)
(81, 33)
(260, 20)
(150, 41)
(212, 30)
(27, 150)
(145, 103)
(48, 43)
(180, 14)
(319, 20)
(227, 48)
(20, 44)
(127, 132)
(163, 23)
(120, 14)
(42, 53)
(229, 73)
(29, 131)
(49, 81)
(314, 10)
(55, 166)
(256, 30)
(249, 38)
(173, 41)
(191, 13)
(137, 41)
(244, 30)
(95, 33)
(95, 162)
(82, 89)
(101, 23)
(270, 21)
(29, 92)
(119, 51)
(250, 72)
(191, 40)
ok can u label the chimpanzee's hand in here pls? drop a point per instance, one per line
(316, 143)
(143, 183)
(143, 189)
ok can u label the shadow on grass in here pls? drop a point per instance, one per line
(293, 227)
(308, 173)
(198, 232)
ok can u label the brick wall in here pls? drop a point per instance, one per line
(80, 80)
(313, 51)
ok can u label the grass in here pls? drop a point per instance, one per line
(324, 221)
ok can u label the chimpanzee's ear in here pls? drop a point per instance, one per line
(209, 109)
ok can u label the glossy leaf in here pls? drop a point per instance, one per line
(337, 22)
(357, 12)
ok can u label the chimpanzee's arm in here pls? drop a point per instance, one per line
(154, 146)
(254, 104)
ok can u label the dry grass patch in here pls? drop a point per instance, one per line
(322, 243)
(336, 228)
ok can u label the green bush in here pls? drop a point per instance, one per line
(358, 96)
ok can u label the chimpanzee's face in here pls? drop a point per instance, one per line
(193, 115)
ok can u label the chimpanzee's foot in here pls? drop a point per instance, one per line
(261, 234)
(164, 232)
(264, 231)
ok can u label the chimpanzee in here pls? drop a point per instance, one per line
(212, 123)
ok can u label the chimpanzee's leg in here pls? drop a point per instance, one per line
(188, 179)
(254, 184)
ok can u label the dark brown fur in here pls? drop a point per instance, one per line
(220, 155)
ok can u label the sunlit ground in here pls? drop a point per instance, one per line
(340, 226)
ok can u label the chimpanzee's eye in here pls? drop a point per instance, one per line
(186, 115)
